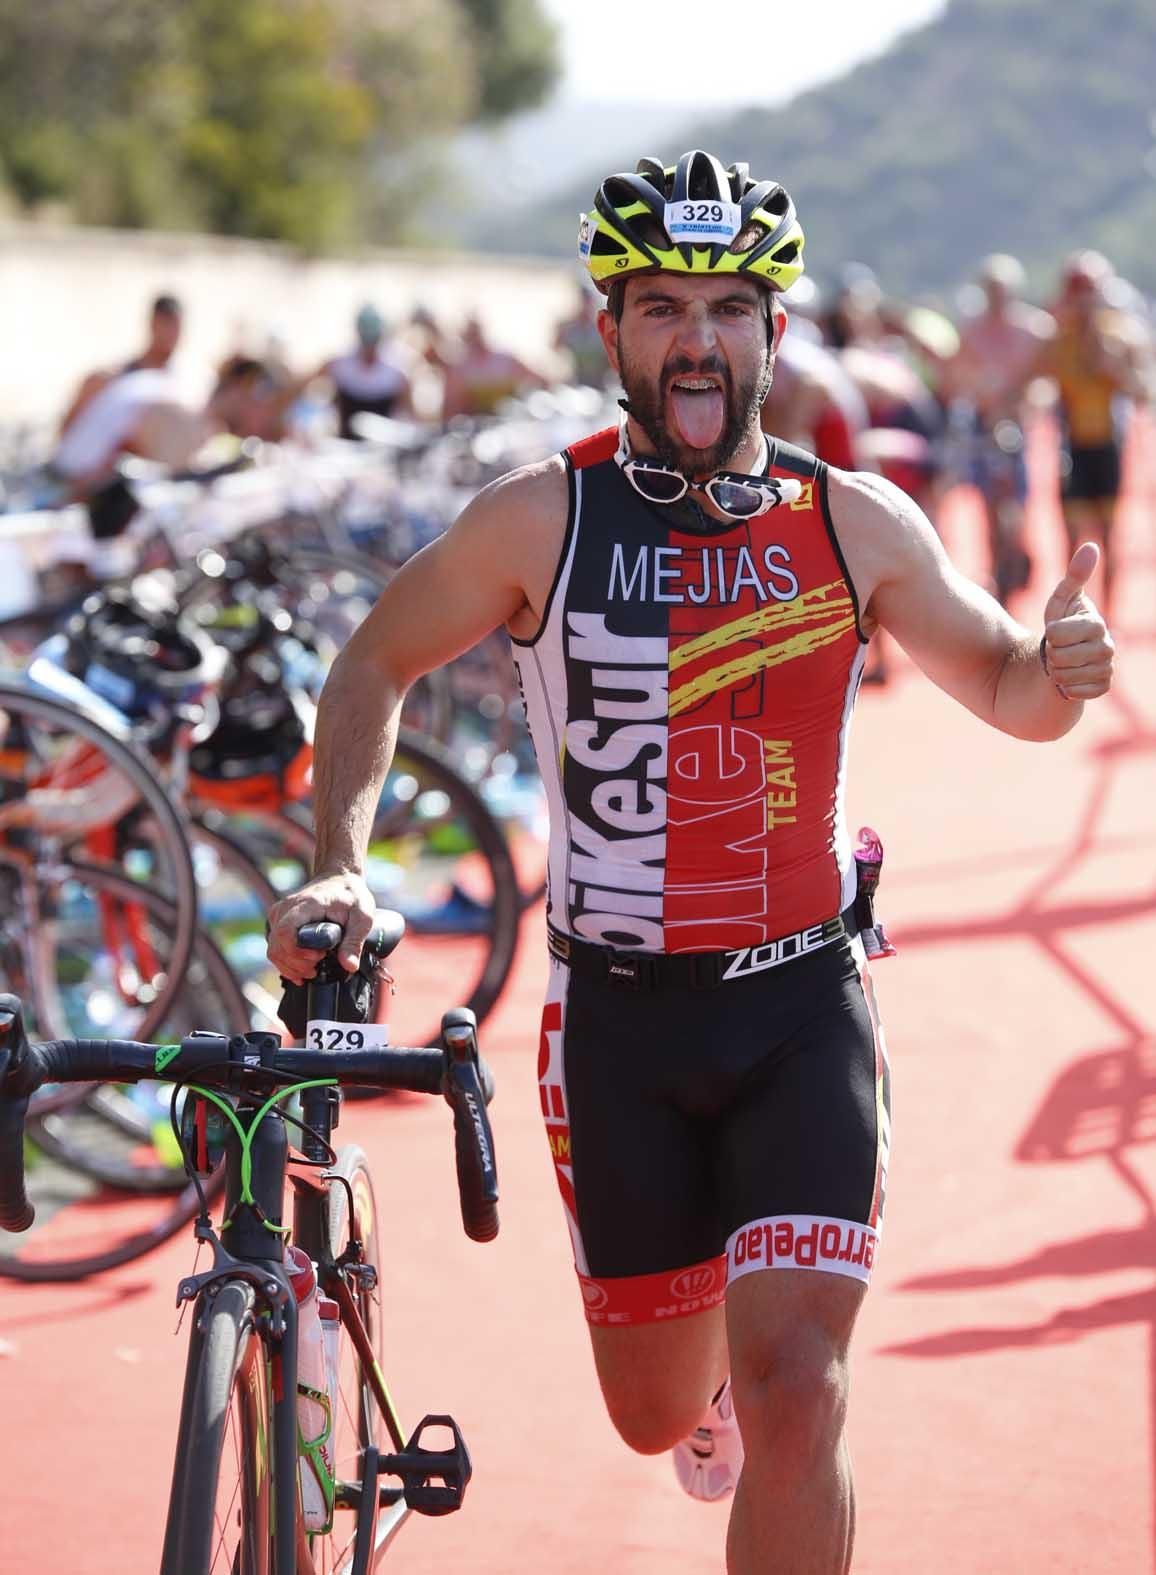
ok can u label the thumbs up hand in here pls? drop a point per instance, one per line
(1077, 649)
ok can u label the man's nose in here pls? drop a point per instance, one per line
(697, 334)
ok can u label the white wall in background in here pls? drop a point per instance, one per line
(75, 299)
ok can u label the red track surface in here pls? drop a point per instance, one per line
(1004, 1388)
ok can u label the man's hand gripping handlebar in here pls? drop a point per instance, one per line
(455, 1071)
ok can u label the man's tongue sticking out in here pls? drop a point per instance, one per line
(698, 407)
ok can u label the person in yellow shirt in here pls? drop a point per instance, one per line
(1096, 360)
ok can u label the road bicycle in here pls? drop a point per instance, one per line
(236, 1502)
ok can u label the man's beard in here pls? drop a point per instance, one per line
(644, 403)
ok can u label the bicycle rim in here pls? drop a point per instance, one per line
(66, 758)
(332, 592)
(83, 1228)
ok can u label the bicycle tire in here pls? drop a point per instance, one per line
(228, 1394)
(437, 764)
(66, 1271)
(50, 1131)
(490, 928)
(238, 923)
(178, 1210)
(310, 582)
(107, 1101)
(169, 840)
(106, 881)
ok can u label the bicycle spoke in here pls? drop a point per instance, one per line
(222, 1518)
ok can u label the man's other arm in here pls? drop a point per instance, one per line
(959, 635)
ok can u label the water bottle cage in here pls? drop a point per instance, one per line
(312, 1451)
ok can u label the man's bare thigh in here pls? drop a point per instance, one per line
(659, 1378)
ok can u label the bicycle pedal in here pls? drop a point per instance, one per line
(450, 1470)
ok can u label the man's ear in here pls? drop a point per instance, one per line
(608, 332)
(778, 323)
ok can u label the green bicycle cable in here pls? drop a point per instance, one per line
(245, 1136)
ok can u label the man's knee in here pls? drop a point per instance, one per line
(649, 1419)
(790, 1394)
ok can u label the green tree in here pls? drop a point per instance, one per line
(516, 47)
(66, 70)
(273, 128)
(298, 120)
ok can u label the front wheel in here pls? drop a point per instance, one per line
(220, 1513)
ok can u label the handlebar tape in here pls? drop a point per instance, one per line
(55, 1061)
(16, 1213)
(466, 1091)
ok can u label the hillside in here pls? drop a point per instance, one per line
(505, 166)
(1014, 125)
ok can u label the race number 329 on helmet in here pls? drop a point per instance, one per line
(691, 217)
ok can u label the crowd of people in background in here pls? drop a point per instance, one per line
(926, 400)
(932, 402)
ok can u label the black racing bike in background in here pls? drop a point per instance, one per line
(236, 1501)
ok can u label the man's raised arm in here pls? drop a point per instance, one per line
(443, 601)
(1029, 685)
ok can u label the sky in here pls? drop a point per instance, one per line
(658, 51)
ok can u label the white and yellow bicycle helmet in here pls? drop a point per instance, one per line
(691, 217)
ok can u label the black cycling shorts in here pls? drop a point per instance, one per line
(699, 1135)
(1088, 474)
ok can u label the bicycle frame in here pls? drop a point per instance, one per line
(244, 1350)
(255, 1254)
(311, 1190)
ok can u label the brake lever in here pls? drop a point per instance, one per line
(473, 1138)
(13, 1045)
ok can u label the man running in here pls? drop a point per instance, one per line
(1096, 359)
(689, 602)
(985, 382)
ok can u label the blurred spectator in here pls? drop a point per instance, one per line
(165, 324)
(886, 352)
(423, 334)
(164, 333)
(814, 403)
(999, 345)
(578, 338)
(1097, 360)
(853, 315)
(138, 413)
(375, 377)
(984, 385)
(482, 377)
